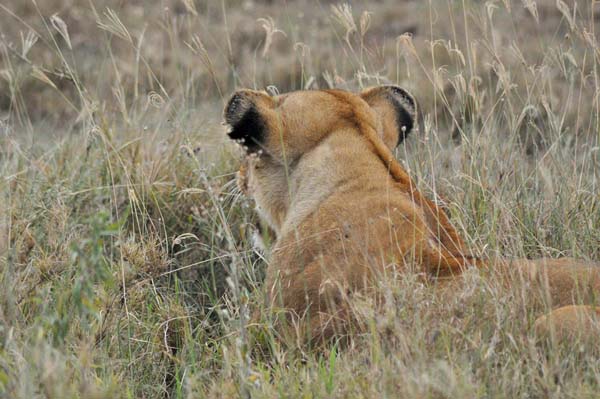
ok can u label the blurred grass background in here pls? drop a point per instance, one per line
(126, 249)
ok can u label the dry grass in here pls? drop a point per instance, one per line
(126, 251)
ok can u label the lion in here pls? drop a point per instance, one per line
(323, 176)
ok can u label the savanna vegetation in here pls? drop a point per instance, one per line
(128, 265)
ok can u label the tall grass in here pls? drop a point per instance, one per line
(128, 264)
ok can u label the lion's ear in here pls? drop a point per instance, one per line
(246, 125)
(396, 109)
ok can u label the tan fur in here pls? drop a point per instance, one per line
(573, 322)
(345, 212)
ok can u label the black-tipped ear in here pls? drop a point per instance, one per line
(406, 110)
(246, 125)
(396, 109)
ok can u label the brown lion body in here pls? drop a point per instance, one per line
(345, 212)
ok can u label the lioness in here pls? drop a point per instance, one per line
(321, 170)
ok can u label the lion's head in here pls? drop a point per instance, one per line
(286, 126)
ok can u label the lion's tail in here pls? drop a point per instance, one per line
(562, 275)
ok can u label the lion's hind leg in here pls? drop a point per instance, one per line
(573, 323)
(566, 281)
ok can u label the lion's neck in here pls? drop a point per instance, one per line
(311, 182)
(321, 173)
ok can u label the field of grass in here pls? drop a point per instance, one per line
(127, 263)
